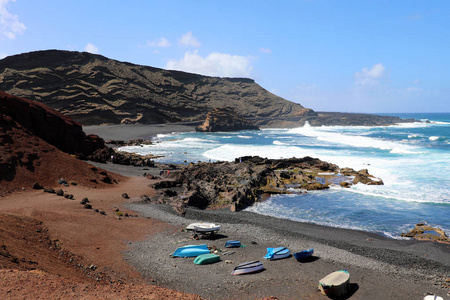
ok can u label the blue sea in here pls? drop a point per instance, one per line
(412, 159)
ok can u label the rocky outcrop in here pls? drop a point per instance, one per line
(93, 89)
(424, 232)
(52, 126)
(225, 119)
(29, 161)
(243, 182)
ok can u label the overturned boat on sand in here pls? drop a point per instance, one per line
(248, 268)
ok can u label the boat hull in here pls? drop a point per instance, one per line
(191, 251)
(277, 253)
(302, 255)
(248, 268)
(206, 259)
(203, 227)
(232, 244)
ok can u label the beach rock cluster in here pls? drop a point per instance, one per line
(225, 119)
(245, 181)
(133, 159)
(424, 232)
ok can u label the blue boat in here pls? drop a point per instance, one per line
(303, 254)
(191, 251)
(277, 253)
(232, 244)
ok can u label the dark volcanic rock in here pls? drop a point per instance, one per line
(241, 183)
(225, 119)
(93, 89)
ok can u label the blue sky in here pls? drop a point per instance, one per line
(348, 56)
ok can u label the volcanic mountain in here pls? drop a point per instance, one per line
(93, 89)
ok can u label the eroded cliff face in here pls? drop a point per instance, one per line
(38, 144)
(225, 119)
(93, 89)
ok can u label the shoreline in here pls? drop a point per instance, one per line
(130, 132)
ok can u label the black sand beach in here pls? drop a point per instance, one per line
(380, 268)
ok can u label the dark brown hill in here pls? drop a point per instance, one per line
(93, 89)
(32, 140)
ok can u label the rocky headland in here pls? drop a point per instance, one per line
(247, 180)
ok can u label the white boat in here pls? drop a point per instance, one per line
(248, 267)
(204, 227)
(433, 297)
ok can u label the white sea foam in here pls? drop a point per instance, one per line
(279, 143)
(434, 138)
(353, 140)
(244, 136)
(440, 123)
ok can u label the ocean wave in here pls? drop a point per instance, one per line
(434, 138)
(440, 123)
(279, 143)
(353, 140)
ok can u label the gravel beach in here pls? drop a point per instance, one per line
(380, 268)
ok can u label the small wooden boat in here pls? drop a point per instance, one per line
(336, 284)
(205, 259)
(232, 244)
(303, 254)
(277, 253)
(248, 267)
(191, 251)
(203, 228)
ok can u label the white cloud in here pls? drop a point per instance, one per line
(370, 77)
(265, 50)
(215, 64)
(91, 48)
(160, 43)
(189, 40)
(9, 23)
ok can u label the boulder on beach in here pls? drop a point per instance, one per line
(424, 232)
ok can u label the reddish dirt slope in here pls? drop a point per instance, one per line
(26, 158)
